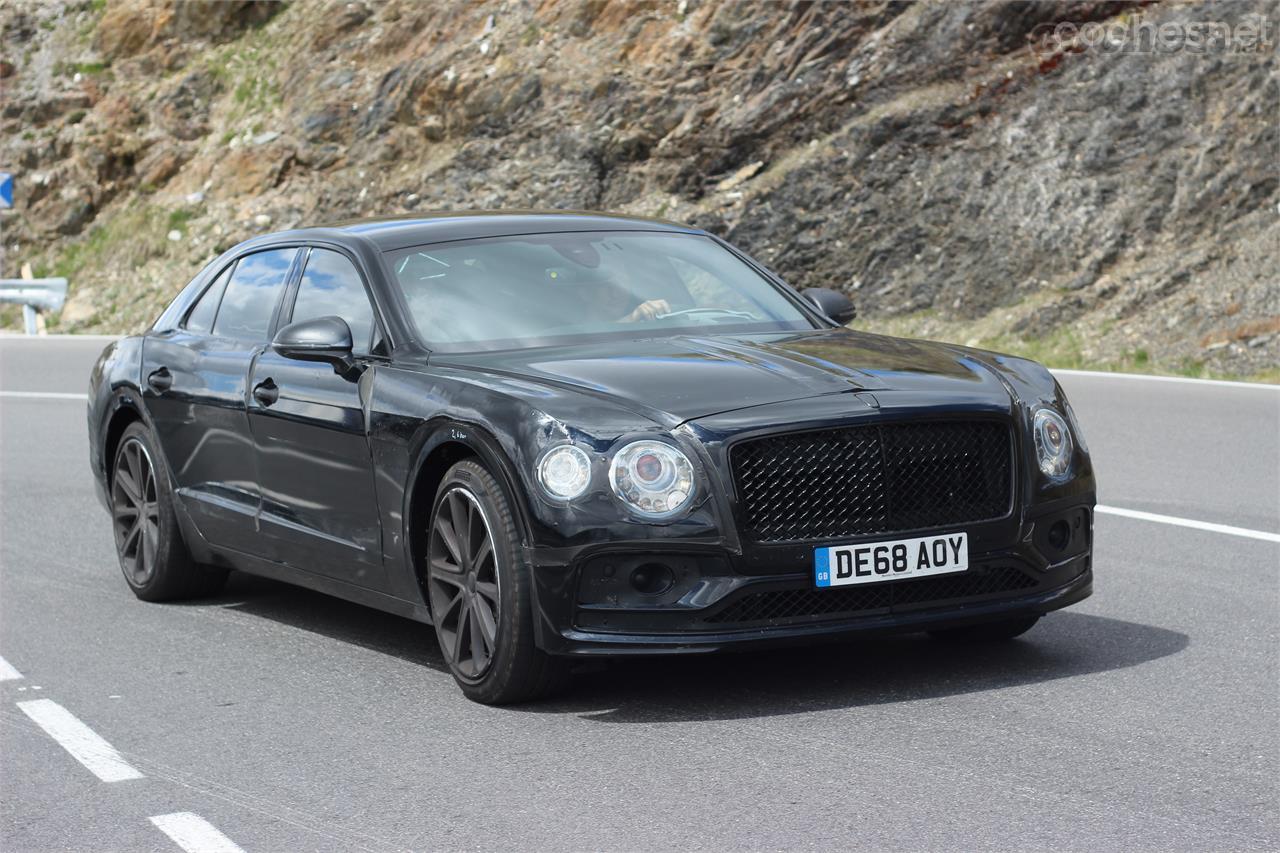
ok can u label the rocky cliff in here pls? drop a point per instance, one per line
(989, 173)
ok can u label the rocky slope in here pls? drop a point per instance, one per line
(960, 178)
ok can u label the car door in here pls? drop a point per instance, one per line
(195, 379)
(319, 509)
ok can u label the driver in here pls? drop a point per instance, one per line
(650, 309)
(607, 299)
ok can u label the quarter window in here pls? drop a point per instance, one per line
(331, 285)
(252, 294)
(200, 320)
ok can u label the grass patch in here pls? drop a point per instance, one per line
(128, 262)
(178, 220)
(126, 240)
(248, 69)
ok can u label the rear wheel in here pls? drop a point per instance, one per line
(149, 544)
(988, 632)
(480, 595)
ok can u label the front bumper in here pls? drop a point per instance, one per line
(719, 600)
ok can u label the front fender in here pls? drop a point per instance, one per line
(477, 439)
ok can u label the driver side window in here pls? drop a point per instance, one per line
(331, 285)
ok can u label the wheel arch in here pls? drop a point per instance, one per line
(445, 445)
(125, 410)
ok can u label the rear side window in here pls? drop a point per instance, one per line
(331, 285)
(200, 320)
(252, 294)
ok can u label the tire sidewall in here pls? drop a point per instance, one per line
(169, 535)
(513, 608)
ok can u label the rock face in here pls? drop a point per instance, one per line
(991, 173)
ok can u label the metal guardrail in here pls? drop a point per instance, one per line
(34, 294)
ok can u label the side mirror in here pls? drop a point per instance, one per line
(325, 339)
(833, 303)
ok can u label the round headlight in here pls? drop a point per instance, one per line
(1053, 444)
(654, 479)
(565, 472)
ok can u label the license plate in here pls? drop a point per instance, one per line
(872, 562)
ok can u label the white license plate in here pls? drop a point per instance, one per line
(872, 562)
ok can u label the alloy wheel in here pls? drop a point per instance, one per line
(463, 583)
(135, 510)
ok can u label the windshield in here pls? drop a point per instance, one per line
(545, 289)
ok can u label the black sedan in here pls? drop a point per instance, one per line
(558, 436)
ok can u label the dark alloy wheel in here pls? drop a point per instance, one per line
(135, 511)
(480, 591)
(464, 582)
(153, 557)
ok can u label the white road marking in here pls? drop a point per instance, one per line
(194, 834)
(1257, 386)
(82, 742)
(10, 337)
(1190, 522)
(8, 672)
(42, 395)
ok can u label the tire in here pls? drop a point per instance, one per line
(987, 632)
(465, 581)
(149, 546)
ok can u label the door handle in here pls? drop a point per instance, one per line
(160, 380)
(266, 392)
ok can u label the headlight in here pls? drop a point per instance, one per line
(652, 478)
(1053, 444)
(1076, 432)
(565, 472)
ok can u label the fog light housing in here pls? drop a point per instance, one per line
(1059, 535)
(652, 578)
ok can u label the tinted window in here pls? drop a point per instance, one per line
(252, 294)
(331, 285)
(201, 317)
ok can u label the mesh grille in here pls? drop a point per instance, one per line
(796, 603)
(873, 479)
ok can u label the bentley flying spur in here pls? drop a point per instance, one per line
(558, 436)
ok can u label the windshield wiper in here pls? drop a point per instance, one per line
(723, 311)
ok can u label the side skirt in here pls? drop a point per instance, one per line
(252, 565)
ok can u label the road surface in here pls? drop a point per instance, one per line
(272, 719)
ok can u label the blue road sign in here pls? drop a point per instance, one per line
(6, 189)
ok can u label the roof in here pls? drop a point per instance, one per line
(398, 232)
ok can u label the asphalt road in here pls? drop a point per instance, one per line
(1143, 718)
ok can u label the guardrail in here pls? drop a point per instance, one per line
(34, 294)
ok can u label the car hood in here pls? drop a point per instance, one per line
(676, 379)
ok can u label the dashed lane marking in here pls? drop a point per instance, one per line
(194, 834)
(85, 746)
(8, 672)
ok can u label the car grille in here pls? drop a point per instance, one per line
(878, 478)
(785, 604)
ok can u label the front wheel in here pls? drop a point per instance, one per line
(988, 632)
(480, 593)
(149, 544)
